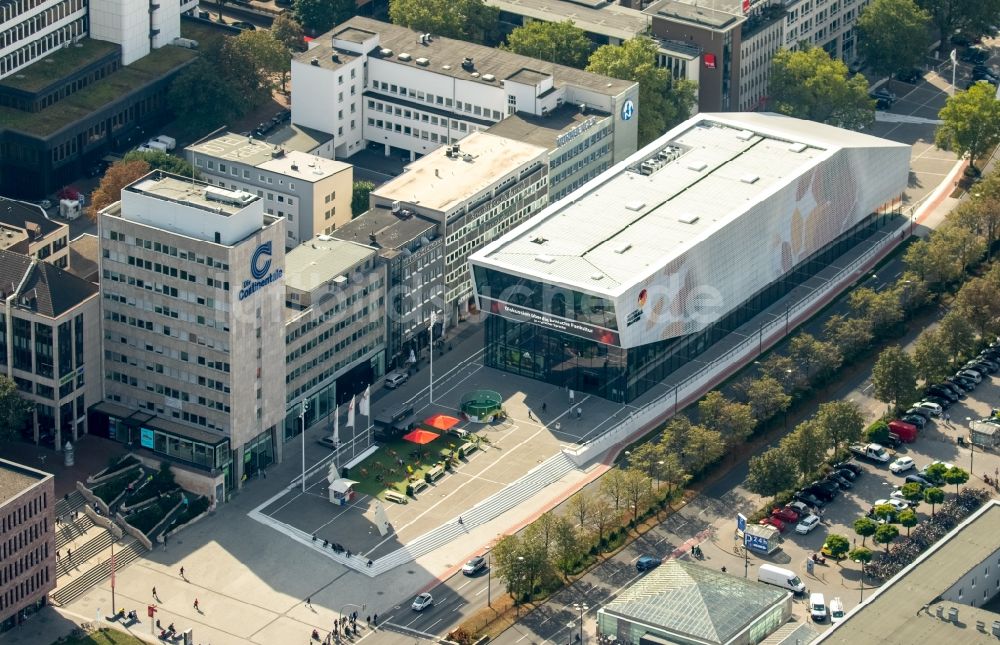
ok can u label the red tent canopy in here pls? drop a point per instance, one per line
(441, 422)
(421, 436)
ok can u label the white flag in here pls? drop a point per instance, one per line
(350, 413)
(954, 56)
(413, 357)
(336, 426)
(363, 403)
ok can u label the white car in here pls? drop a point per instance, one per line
(836, 610)
(807, 524)
(901, 465)
(817, 607)
(933, 408)
(947, 466)
(896, 504)
(422, 602)
(898, 495)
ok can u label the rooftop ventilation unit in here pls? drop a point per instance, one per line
(635, 206)
(223, 196)
(697, 166)
(688, 218)
(324, 238)
(474, 74)
(314, 62)
(404, 57)
(423, 62)
(468, 64)
(996, 627)
(385, 52)
(953, 614)
(797, 147)
(539, 240)
(545, 259)
(749, 179)
(489, 78)
(395, 206)
(622, 248)
(596, 276)
(446, 67)
(940, 612)
(744, 135)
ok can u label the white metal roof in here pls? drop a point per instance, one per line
(624, 225)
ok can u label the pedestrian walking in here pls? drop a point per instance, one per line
(196, 605)
(723, 568)
(579, 412)
(375, 620)
(182, 572)
(57, 552)
(69, 554)
(544, 406)
(531, 417)
(154, 593)
(158, 624)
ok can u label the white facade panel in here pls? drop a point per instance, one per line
(198, 223)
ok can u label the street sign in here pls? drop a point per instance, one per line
(150, 610)
(741, 522)
(755, 542)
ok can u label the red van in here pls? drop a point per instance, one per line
(907, 432)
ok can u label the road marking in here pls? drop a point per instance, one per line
(467, 583)
(482, 591)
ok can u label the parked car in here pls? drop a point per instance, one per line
(775, 522)
(912, 75)
(966, 384)
(896, 504)
(898, 495)
(822, 492)
(474, 566)
(786, 514)
(807, 524)
(914, 419)
(974, 55)
(918, 479)
(924, 412)
(244, 25)
(851, 466)
(883, 93)
(395, 379)
(991, 366)
(817, 607)
(923, 471)
(328, 442)
(978, 368)
(846, 474)
(961, 40)
(901, 465)
(931, 406)
(422, 602)
(955, 389)
(809, 499)
(841, 481)
(836, 610)
(647, 563)
(945, 393)
(972, 375)
(798, 507)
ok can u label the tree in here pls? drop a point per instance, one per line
(289, 32)
(463, 19)
(781, 368)
(894, 377)
(735, 421)
(956, 334)
(772, 472)
(807, 447)
(808, 84)
(558, 42)
(672, 473)
(885, 534)
(865, 527)
(935, 472)
(767, 397)
(908, 519)
(637, 486)
(881, 309)
(704, 446)
(930, 356)
(109, 191)
(663, 101)
(884, 512)
(933, 496)
(613, 485)
(263, 58)
(981, 214)
(970, 122)
(977, 303)
(14, 410)
(646, 458)
(932, 261)
(218, 100)
(912, 492)
(359, 197)
(837, 545)
(841, 421)
(950, 16)
(957, 476)
(602, 515)
(815, 358)
(579, 506)
(159, 160)
(853, 335)
(965, 246)
(893, 35)
(319, 16)
(568, 545)
(861, 554)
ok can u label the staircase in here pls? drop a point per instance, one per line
(67, 505)
(69, 531)
(90, 548)
(547, 472)
(128, 550)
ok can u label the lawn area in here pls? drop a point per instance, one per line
(384, 463)
(104, 636)
(96, 95)
(206, 35)
(59, 64)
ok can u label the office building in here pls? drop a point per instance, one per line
(411, 249)
(373, 84)
(334, 328)
(829, 25)
(50, 345)
(684, 602)
(193, 307)
(27, 542)
(312, 193)
(948, 594)
(617, 285)
(28, 230)
(474, 191)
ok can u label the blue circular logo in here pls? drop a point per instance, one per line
(628, 109)
(258, 270)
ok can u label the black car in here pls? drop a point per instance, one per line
(961, 40)
(851, 466)
(962, 382)
(943, 402)
(917, 479)
(990, 364)
(893, 441)
(942, 392)
(242, 25)
(842, 482)
(826, 491)
(959, 392)
(914, 419)
(847, 474)
(912, 75)
(882, 104)
(979, 368)
(974, 55)
(809, 499)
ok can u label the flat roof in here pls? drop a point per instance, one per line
(904, 609)
(544, 130)
(390, 231)
(611, 19)
(234, 147)
(190, 192)
(304, 166)
(297, 137)
(321, 259)
(446, 51)
(719, 18)
(59, 64)
(15, 478)
(623, 225)
(438, 182)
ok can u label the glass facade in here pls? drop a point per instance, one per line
(43, 350)
(603, 369)
(65, 349)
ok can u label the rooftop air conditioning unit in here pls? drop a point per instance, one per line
(385, 52)
(404, 57)
(423, 62)
(489, 78)
(467, 64)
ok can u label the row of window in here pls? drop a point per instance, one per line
(460, 126)
(18, 516)
(167, 249)
(427, 97)
(360, 352)
(25, 588)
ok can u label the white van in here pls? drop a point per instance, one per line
(772, 575)
(836, 610)
(817, 607)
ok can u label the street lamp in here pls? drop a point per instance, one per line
(862, 563)
(972, 445)
(302, 418)
(519, 580)
(581, 607)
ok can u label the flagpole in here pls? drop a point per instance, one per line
(433, 318)
(302, 417)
